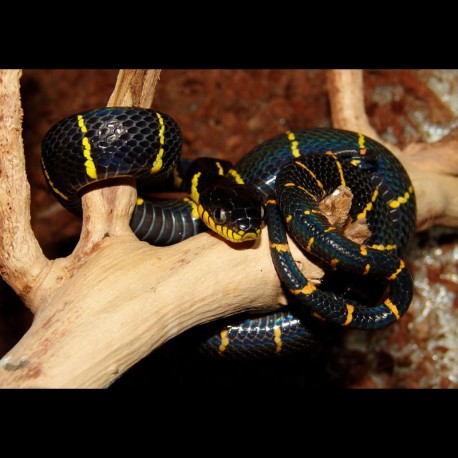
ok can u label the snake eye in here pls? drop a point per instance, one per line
(219, 215)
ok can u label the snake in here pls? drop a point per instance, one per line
(282, 180)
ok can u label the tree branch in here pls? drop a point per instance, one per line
(21, 258)
(346, 93)
(134, 88)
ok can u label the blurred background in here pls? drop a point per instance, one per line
(225, 113)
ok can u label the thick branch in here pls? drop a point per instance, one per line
(134, 88)
(21, 258)
(129, 299)
(346, 94)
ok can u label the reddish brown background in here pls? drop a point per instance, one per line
(225, 113)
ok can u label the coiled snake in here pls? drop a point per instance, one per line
(286, 178)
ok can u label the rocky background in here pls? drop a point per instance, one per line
(225, 113)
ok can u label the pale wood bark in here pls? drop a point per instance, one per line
(17, 241)
(347, 97)
(115, 299)
(134, 88)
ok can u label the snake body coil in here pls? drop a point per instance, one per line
(312, 164)
(291, 174)
(117, 142)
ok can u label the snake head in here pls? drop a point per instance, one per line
(235, 212)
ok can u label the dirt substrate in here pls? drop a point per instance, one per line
(225, 113)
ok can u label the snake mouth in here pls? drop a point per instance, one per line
(247, 236)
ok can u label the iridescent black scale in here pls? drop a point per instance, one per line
(123, 142)
(260, 168)
(264, 336)
(298, 170)
(119, 142)
(242, 204)
(165, 222)
(292, 200)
